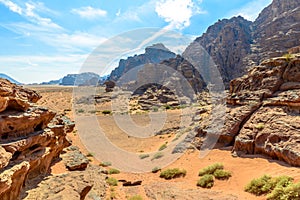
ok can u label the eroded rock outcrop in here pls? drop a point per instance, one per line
(272, 127)
(31, 137)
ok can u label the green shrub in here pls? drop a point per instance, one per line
(275, 186)
(113, 171)
(90, 154)
(260, 185)
(172, 173)
(112, 181)
(211, 169)
(222, 174)
(106, 112)
(155, 108)
(80, 111)
(105, 164)
(143, 156)
(288, 57)
(206, 181)
(157, 156)
(162, 147)
(136, 197)
(156, 169)
(292, 192)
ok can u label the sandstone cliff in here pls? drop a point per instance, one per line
(30, 138)
(236, 43)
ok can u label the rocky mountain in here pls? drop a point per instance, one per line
(153, 54)
(31, 137)
(86, 78)
(236, 43)
(4, 76)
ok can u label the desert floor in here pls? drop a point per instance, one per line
(243, 170)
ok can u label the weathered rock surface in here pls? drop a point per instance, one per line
(272, 127)
(76, 185)
(31, 137)
(74, 159)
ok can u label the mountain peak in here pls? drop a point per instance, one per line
(158, 46)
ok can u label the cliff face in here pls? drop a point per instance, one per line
(277, 29)
(153, 54)
(228, 43)
(236, 43)
(30, 137)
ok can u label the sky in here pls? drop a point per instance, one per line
(45, 40)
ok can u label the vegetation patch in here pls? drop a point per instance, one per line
(113, 171)
(143, 156)
(162, 147)
(222, 174)
(105, 164)
(156, 169)
(211, 169)
(136, 197)
(276, 188)
(206, 181)
(260, 126)
(172, 173)
(112, 181)
(157, 156)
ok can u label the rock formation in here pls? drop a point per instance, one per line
(153, 54)
(263, 111)
(31, 137)
(236, 43)
(83, 79)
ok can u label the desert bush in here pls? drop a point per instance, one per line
(113, 171)
(162, 147)
(288, 57)
(266, 184)
(143, 156)
(112, 181)
(172, 173)
(260, 126)
(206, 181)
(211, 169)
(155, 108)
(157, 156)
(136, 197)
(156, 169)
(80, 111)
(105, 164)
(222, 174)
(90, 154)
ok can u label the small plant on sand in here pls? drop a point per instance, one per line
(136, 197)
(288, 57)
(155, 169)
(105, 164)
(112, 181)
(222, 174)
(211, 169)
(90, 154)
(106, 112)
(113, 171)
(155, 109)
(143, 156)
(172, 173)
(206, 181)
(276, 188)
(80, 111)
(162, 147)
(158, 155)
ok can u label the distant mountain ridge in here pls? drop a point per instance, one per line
(9, 78)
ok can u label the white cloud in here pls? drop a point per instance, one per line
(251, 10)
(12, 6)
(177, 12)
(89, 12)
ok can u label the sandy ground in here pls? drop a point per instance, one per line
(243, 169)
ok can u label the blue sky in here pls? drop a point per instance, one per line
(45, 40)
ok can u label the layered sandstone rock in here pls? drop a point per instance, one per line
(31, 137)
(272, 127)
